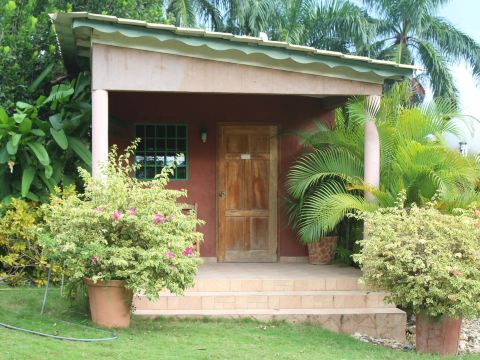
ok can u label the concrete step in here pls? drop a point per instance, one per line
(241, 300)
(378, 322)
(337, 283)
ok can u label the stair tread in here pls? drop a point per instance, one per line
(327, 311)
(274, 293)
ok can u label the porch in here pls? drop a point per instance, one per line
(327, 295)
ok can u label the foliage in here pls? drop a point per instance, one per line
(28, 48)
(428, 261)
(39, 152)
(21, 260)
(326, 182)
(125, 228)
(409, 31)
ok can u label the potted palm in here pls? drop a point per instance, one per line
(429, 262)
(123, 236)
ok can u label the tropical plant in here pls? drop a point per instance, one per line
(410, 31)
(21, 260)
(326, 182)
(37, 154)
(123, 228)
(427, 261)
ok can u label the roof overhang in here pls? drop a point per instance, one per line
(77, 32)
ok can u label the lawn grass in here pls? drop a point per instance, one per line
(169, 339)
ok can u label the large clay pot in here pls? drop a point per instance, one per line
(437, 335)
(110, 303)
(322, 252)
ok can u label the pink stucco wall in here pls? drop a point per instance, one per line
(198, 111)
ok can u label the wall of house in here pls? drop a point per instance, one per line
(198, 111)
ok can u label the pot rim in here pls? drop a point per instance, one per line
(103, 283)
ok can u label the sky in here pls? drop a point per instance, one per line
(464, 14)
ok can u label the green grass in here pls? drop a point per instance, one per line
(169, 339)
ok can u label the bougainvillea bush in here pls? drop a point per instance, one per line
(428, 261)
(122, 228)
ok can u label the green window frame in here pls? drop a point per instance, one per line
(160, 145)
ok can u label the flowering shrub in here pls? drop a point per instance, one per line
(123, 228)
(427, 260)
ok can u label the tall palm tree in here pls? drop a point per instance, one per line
(327, 181)
(410, 31)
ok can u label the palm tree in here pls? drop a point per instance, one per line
(411, 32)
(326, 182)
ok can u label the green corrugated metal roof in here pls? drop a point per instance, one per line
(76, 32)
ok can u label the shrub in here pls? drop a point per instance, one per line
(123, 228)
(428, 261)
(21, 258)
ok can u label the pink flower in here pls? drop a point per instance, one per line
(94, 260)
(174, 268)
(132, 211)
(188, 251)
(477, 213)
(170, 217)
(170, 255)
(116, 215)
(158, 218)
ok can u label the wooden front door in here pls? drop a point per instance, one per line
(247, 178)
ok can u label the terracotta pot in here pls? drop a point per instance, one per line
(322, 252)
(437, 335)
(110, 303)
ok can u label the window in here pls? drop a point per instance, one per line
(159, 146)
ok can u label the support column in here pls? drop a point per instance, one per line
(99, 130)
(372, 147)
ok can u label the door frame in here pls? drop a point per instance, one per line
(220, 250)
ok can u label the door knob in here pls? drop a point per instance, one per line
(221, 194)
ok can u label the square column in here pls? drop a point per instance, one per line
(99, 130)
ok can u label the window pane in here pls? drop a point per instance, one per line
(160, 160)
(150, 159)
(161, 131)
(171, 144)
(181, 160)
(141, 146)
(171, 133)
(181, 146)
(149, 172)
(139, 159)
(150, 131)
(150, 144)
(181, 131)
(161, 146)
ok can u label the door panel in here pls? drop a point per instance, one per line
(247, 193)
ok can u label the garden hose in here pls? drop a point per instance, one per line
(11, 327)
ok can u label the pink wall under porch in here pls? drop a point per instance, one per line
(198, 111)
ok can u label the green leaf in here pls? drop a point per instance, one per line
(81, 150)
(27, 178)
(32, 197)
(41, 77)
(56, 121)
(60, 138)
(3, 116)
(16, 139)
(19, 117)
(49, 182)
(25, 126)
(40, 152)
(37, 132)
(12, 144)
(22, 105)
(3, 156)
(48, 171)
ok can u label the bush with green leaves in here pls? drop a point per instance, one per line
(122, 228)
(42, 143)
(21, 260)
(428, 261)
